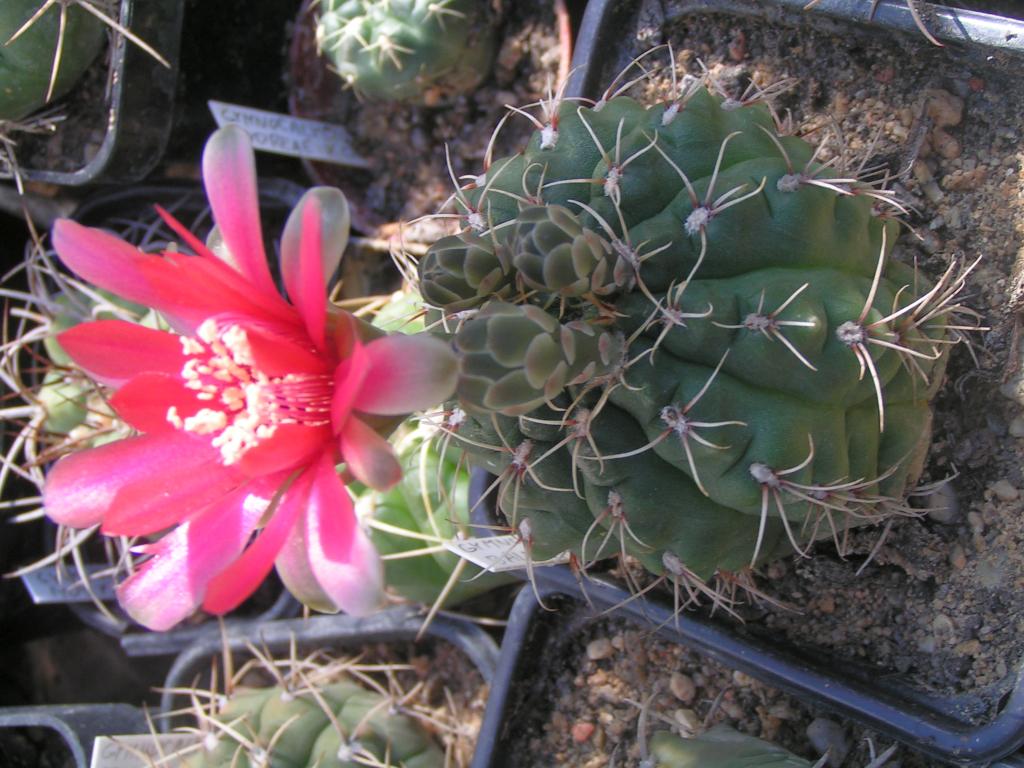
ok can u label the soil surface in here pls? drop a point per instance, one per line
(939, 604)
(601, 673)
(405, 143)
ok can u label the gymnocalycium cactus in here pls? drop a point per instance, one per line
(684, 338)
(341, 725)
(407, 50)
(31, 72)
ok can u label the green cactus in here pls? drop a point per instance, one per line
(407, 50)
(31, 73)
(429, 506)
(74, 406)
(342, 725)
(684, 339)
(719, 747)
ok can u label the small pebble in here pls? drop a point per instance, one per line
(944, 108)
(945, 145)
(828, 736)
(582, 732)
(742, 679)
(827, 604)
(1017, 426)
(599, 649)
(942, 624)
(957, 558)
(687, 719)
(1004, 491)
(682, 687)
(943, 505)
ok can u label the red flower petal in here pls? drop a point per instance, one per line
(349, 377)
(278, 354)
(369, 457)
(240, 579)
(229, 176)
(170, 586)
(406, 373)
(137, 486)
(113, 351)
(110, 263)
(291, 446)
(329, 563)
(144, 402)
(314, 237)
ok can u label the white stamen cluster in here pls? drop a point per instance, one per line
(247, 405)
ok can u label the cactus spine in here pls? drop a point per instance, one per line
(685, 339)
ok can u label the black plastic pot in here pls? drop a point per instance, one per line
(130, 212)
(74, 727)
(397, 625)
(886, 706)
(136, 121)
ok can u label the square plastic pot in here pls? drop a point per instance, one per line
(136, 121)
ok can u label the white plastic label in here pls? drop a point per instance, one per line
(142, 750)
(292, 136)
(498, 553)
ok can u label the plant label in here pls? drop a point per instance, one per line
(292, 136)
(142, 750)
(46, 586)
(499, 553)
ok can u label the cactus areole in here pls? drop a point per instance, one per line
(407, 50)
(684, 338)
(31, 72)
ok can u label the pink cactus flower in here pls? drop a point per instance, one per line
(244, 412)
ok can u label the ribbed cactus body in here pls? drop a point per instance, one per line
(407, 50)
(757, 320)
(27, 63)
(338, 728)
(720, 747)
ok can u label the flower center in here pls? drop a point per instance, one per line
(246, 405)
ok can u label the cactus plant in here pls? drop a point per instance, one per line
(719, 747)
(685, 339)
(723, 747)
(407, 50)
(47, 55)
(338, 725)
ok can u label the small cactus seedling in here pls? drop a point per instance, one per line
(407, 50)
(685, 339)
